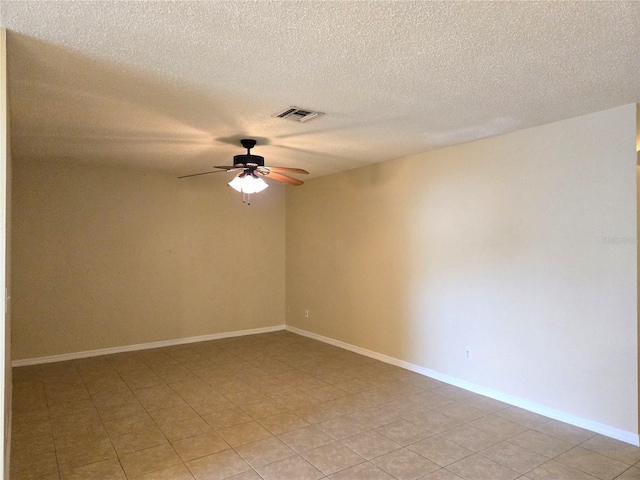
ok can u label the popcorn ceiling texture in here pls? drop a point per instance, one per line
(173, 86)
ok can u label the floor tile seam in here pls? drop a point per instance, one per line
(444, 466)
(118, 455)
(584, 471)
(101, 422)
(582, 445)
(524, 448)
(142, 450)
(622, 473)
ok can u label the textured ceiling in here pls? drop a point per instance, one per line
(173, 86)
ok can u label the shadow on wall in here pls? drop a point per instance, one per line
(75, 108)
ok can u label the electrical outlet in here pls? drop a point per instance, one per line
(306, 314)
(467, 353)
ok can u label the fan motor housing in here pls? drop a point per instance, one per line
(246, 159)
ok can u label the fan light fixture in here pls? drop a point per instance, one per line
(248, 183)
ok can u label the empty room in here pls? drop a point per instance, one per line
(303, 240)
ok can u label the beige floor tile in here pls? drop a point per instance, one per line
(592, 463)
(127, 424)
(164, 416)
(264, 451)
(486, 404)
(278, 389)
(514, 457)
(565, 432)
(632, 474)
(138, 440)
(460, 411)
(498, 427)
(470, 437)
(296, 399)
(209, 405)
(308, 384)
(354, 386)
(250, 475)
(455, 393)
(558, 471)
(521, 417)
(198, 446)
(443, 475)
(36, 445)
(146, 461)
(35, 467)
(404, 432)
(57, 409)
(283, 422)
(317, 413)
(104, 470)
(327, 393)
(306, 438)
(372, 417)
(404, 407)
(477, 467)
(76, 455)
(113, 399)
(623, 452)
(371, 444)
(69, 423)
(80, 437)
(226, 418)
(244, 433)
(175, 472)
(108, 412)
(163, 401)
(332, 458)
(541, 443)
(299, 398)
(440, 450)
(290, 468)
(185, 428)
(341, 427)
(404, 464)
(433, 421)
(363, 471)
(350, 404)
(264, 408)
(218, 466)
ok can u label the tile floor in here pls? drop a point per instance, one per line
(280, 406)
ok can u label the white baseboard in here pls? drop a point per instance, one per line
(606, 430)
(142, 346)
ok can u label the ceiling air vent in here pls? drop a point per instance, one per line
(296, 114)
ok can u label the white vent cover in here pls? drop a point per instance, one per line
(296, 114)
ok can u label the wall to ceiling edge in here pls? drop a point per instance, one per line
(107, 258)
(520, 247)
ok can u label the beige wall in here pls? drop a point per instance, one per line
(107, 258)
(497, 246)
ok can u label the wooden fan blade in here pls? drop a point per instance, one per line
(288, 170)
(204, 173)
(283, 178)
(225, 169)
(228, 168)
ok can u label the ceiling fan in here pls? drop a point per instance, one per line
(250, 166)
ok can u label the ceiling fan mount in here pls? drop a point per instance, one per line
(248, 159)
(248, 143)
